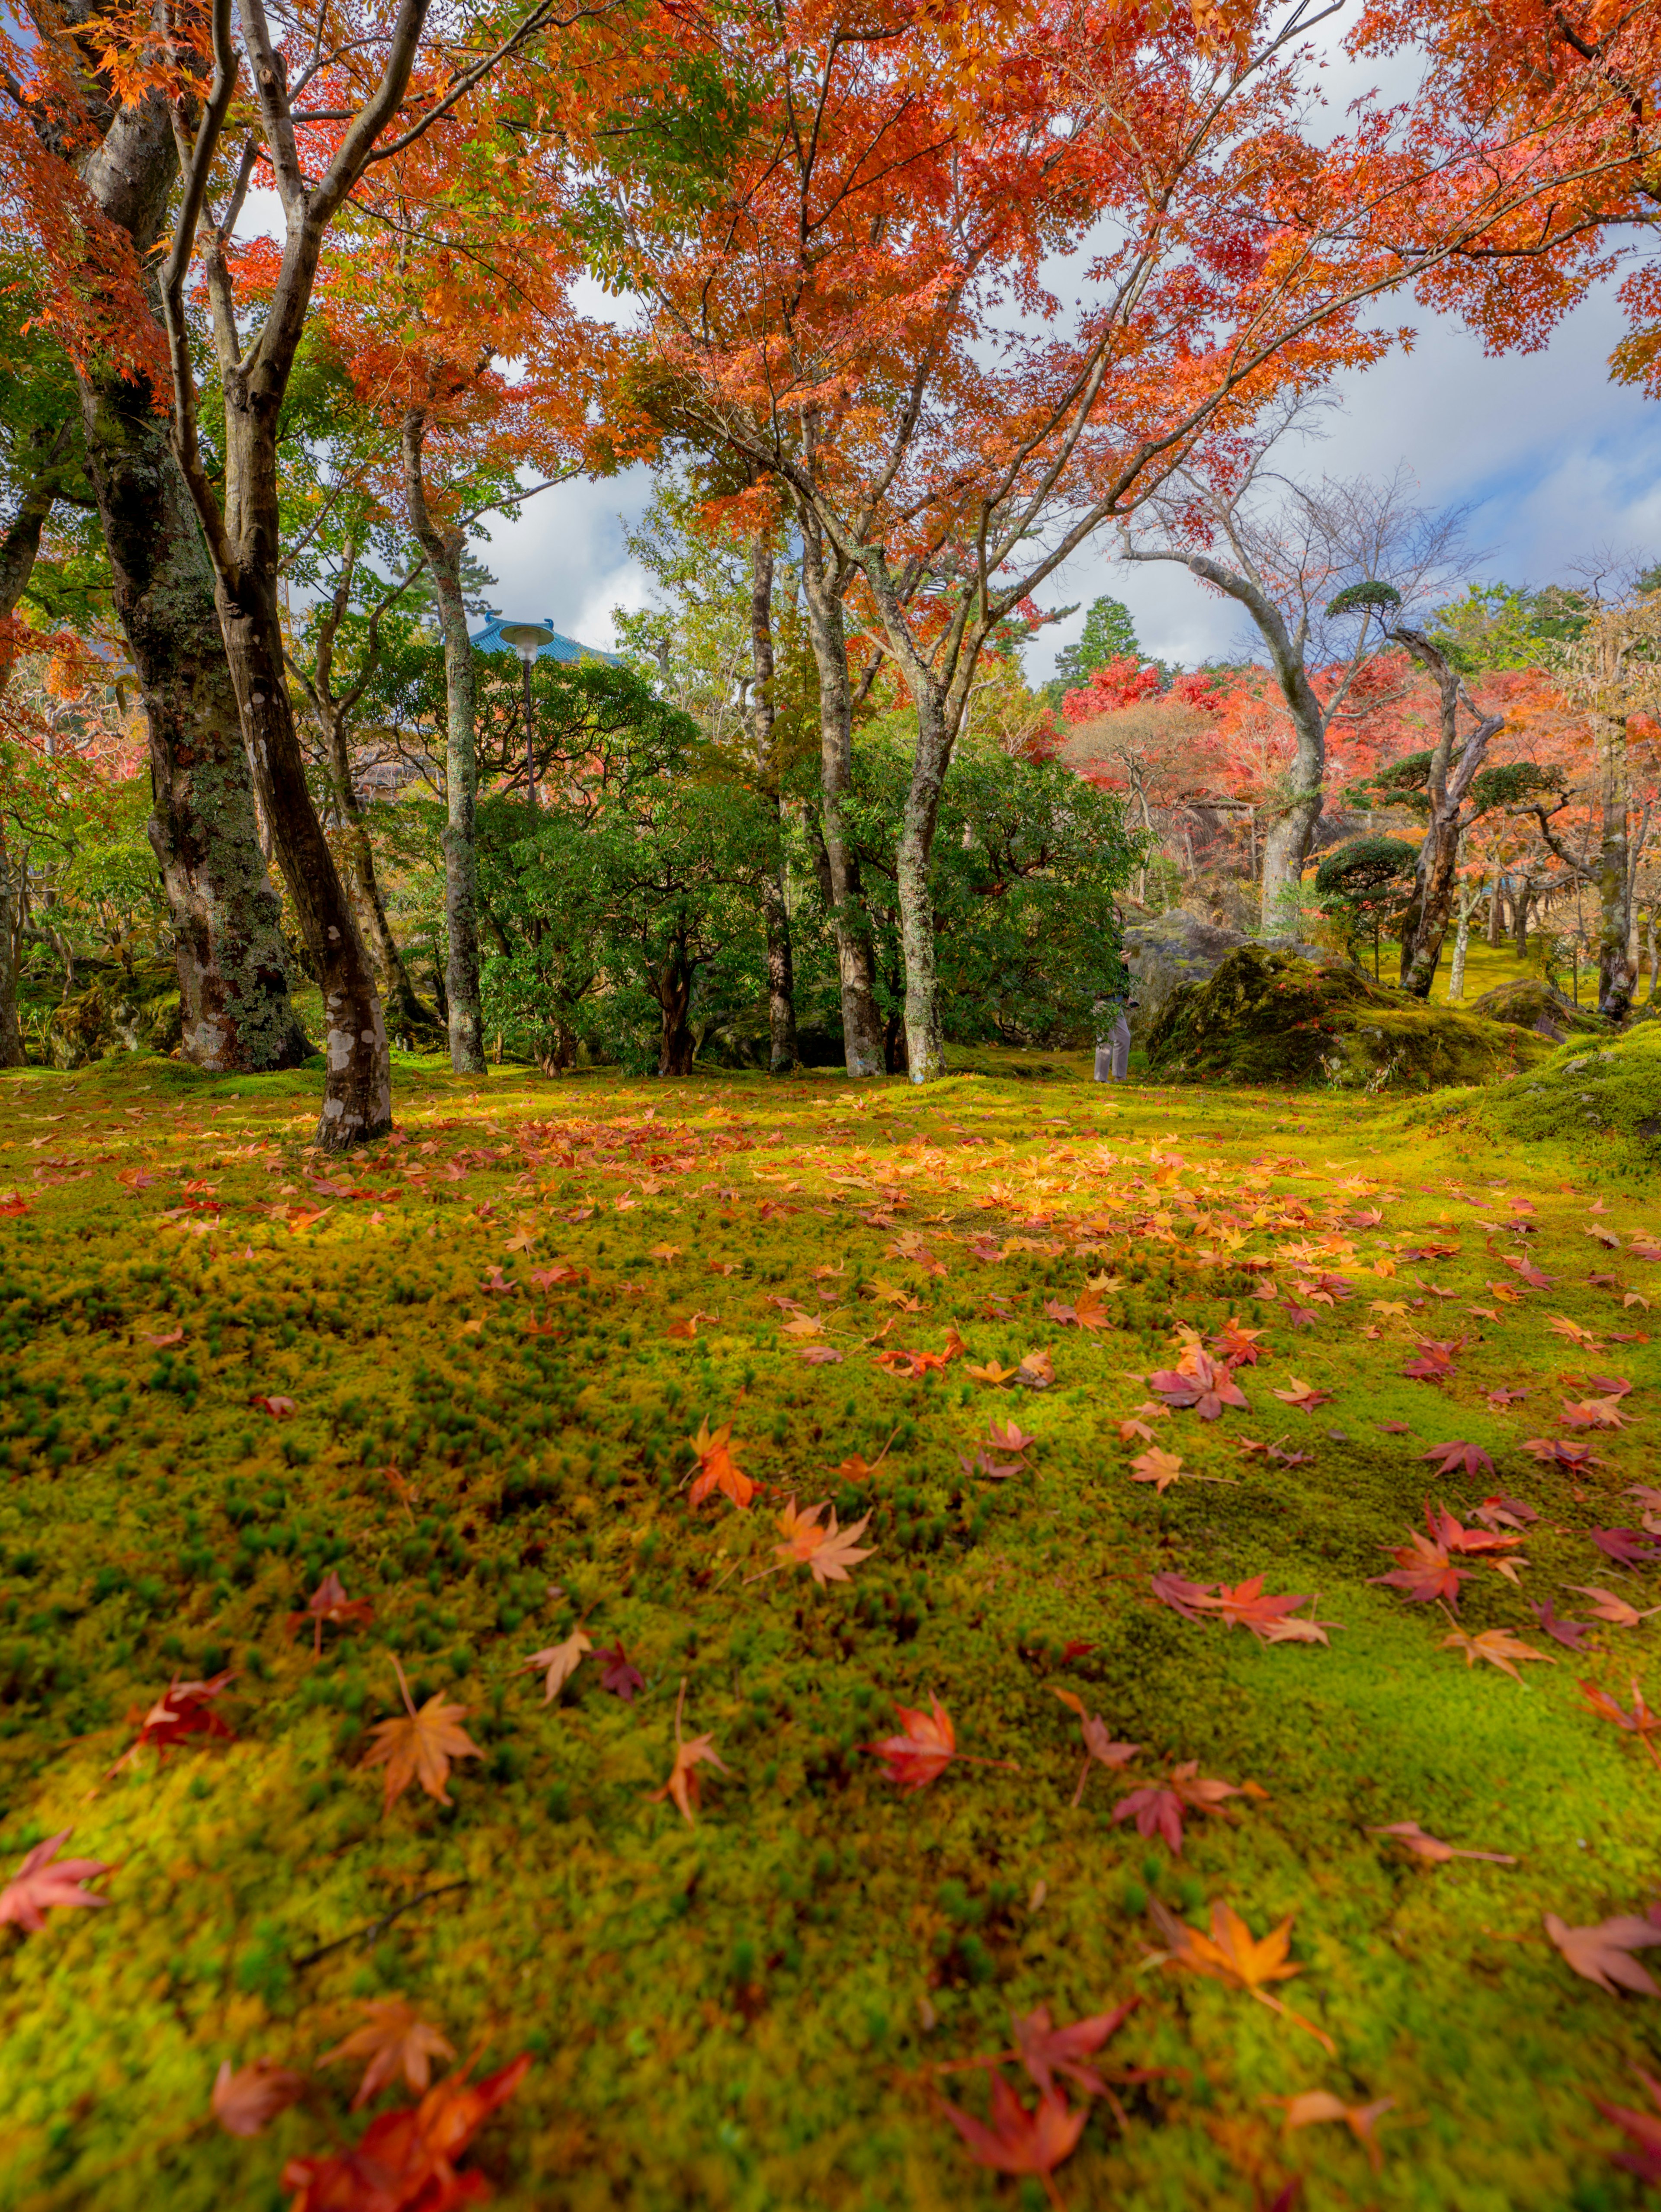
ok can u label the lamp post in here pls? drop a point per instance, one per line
(528, 639)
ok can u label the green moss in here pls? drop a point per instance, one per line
(1268, 1016)
(748, 2013)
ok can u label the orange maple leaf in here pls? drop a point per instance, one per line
(420, 1745)
(690, 1753)
(718, 1466)
(827, 1551)
(395, 2039)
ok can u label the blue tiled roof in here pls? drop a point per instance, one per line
(558, 647)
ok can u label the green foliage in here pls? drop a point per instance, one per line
(1109, 633)
(1498, 626)
(1025, 867)
(1365, 597)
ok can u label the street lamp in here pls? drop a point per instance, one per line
(528, 639)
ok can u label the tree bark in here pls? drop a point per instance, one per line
(443, 550)
(232, 968)
(1452, 772)
(775, 912)
(405, 1011)
(671, 986)
(861, 1025)
(1521, 891)
(357, 1093)
(13, 898)
(1617, 972)
(1469, 903)
(1496, 912)
(925, 1047)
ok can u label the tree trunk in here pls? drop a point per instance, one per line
(776, 912)
(1452, 770)
(357, 1084)
(861, 1025)
(672, 988)
(1496, 912)
(404, 1010)
(443, 550)
(925, 1049)
(1618, 975)
(232, 968)
(1468, 906)
(14, 900)
(1521, 888)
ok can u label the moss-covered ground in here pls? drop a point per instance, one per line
(750, 2013)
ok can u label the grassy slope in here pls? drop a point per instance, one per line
(738, 2014)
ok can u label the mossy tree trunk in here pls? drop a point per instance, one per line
(332, 712)
(775, 912)
(443, 549)
(861, 1025)
(233, 973)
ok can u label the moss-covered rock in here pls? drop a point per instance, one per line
(1614, 1086)
(1533, 1003)
(1180, 947)
(133, 1009)
(1268, 1016)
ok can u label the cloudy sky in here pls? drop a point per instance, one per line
(1555, 464)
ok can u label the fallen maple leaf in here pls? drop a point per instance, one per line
(1199, 1381)
(1157, 1467)
(395, 2039)
(688, 1329)
(1496, 1645)
(278, 1408)
(1230, 1954)
(827, 1551)
(39, 1886)
(618, 1673)
(1557, 1451)
(1572, 1633)
(1158, 1809)
(922, 1754)
(718, 1466)
(991, 1372)
(1019, 2140)
(691, 1753)
(1045, 2051)
(405, 2160)
(1423, 1846)
(1268, 1618)
(330, 1602)
(1036, 1371)
(1423, 1571)
(1459, 1458)
(1627, 1547)
(420, 1746)
(1304, 1397)
(1640, 1722)
(1610, 1606)
(1603, 1954)
(1098, 1743)
(559, 1663)
(183, 1708)
(1317, 2104)
(1643, 2128)
(245, 2101)
(1501, 1512)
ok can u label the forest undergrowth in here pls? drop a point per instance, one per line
(560, 1369)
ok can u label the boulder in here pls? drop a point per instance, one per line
(134, 1009)
(1178, 947)
(1268, 1017)
(1534, 1003)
